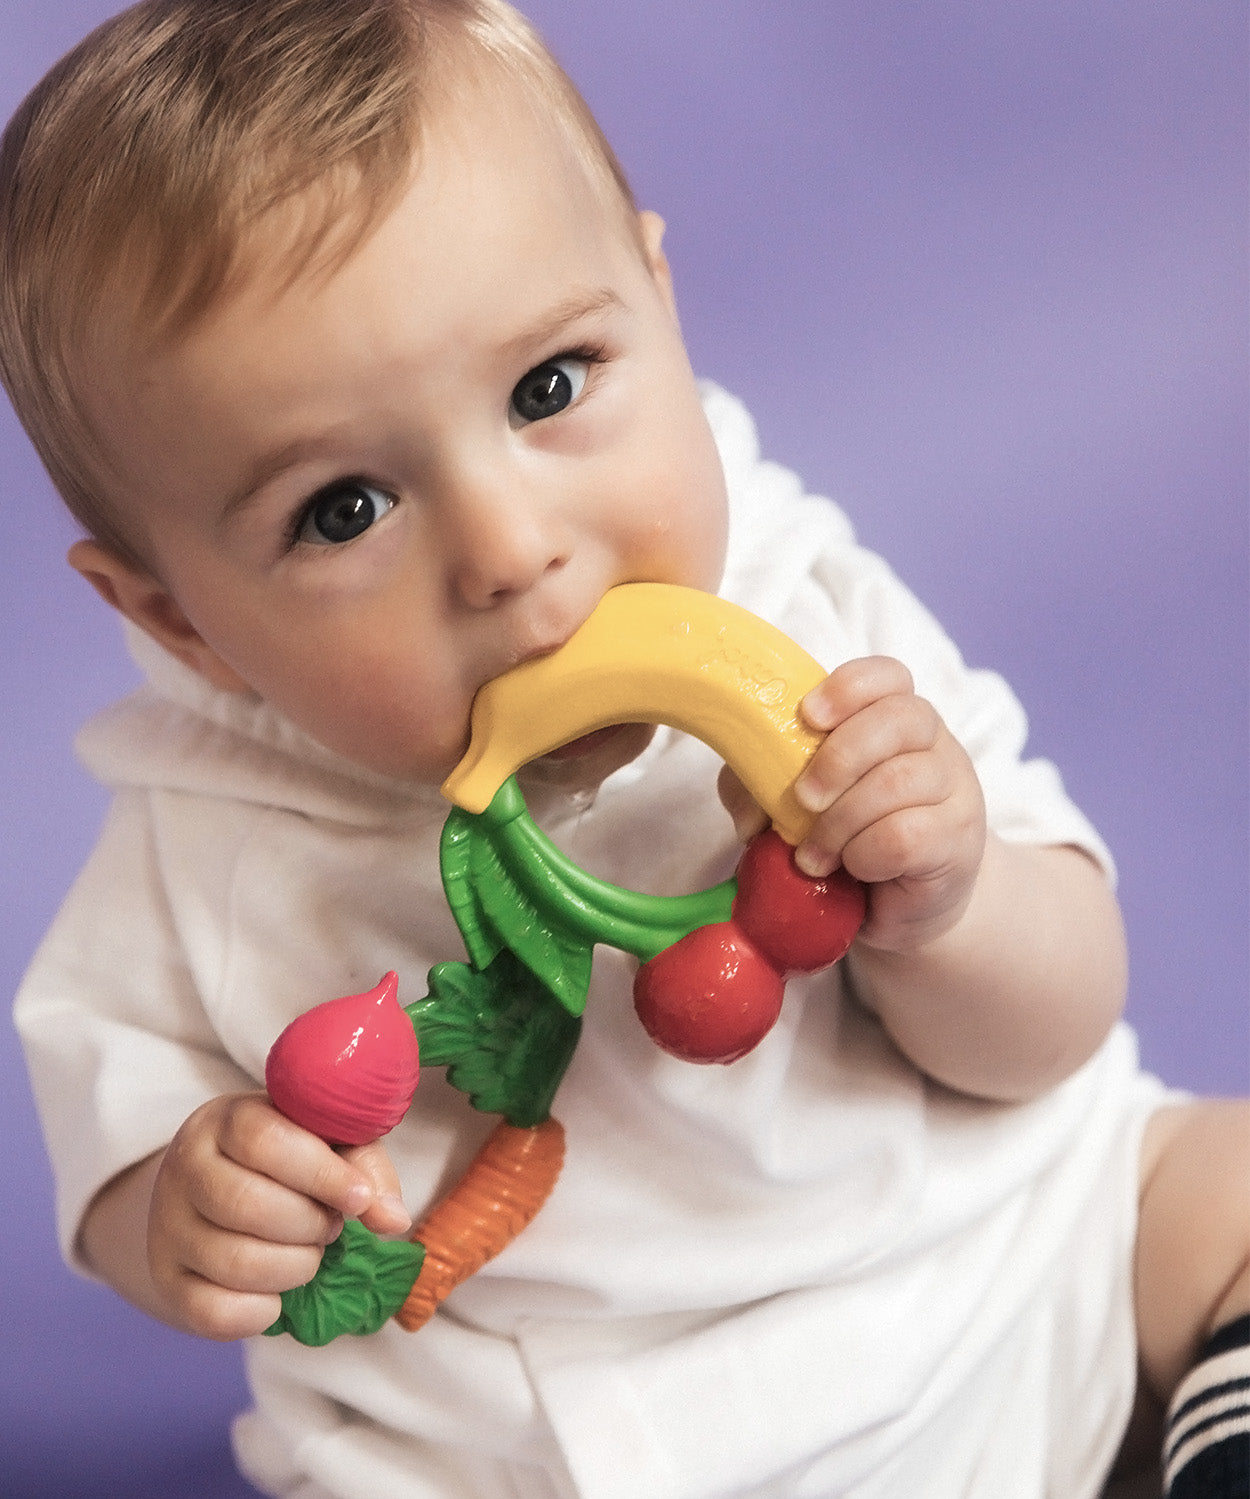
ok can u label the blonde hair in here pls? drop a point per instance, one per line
(134, 173)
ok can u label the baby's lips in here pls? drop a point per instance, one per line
(346, 1070)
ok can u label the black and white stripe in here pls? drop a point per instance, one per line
(1207, 1455)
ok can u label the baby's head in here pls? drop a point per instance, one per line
(336, 326)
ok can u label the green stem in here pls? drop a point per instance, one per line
(591, 909)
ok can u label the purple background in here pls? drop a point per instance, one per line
(978, 267)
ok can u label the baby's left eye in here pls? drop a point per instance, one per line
(547, 389)
(342, 511)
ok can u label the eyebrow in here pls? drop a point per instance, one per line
(570, 310)
(267, 468)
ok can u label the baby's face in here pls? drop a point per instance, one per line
(367, 494)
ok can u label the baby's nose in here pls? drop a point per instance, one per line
(505, 542)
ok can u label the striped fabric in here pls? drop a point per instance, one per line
(1207, 1454)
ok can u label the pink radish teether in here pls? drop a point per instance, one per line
(347, 1069)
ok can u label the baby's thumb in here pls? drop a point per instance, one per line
(748, 816)
(386, 1214)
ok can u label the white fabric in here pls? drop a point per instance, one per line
(811, 1273)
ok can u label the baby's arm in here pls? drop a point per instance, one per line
(997, 967)
(205, 1234)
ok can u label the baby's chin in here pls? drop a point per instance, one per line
(585, 763)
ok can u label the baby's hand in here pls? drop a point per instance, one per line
(897, 802)
(242, 1207)
(896, 799)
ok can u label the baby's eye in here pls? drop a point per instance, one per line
(341, 512)
(547, 389)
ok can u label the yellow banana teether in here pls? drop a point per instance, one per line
(655, 653)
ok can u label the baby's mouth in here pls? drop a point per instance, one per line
(585, 744)
(589, 759)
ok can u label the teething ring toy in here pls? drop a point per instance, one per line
(506, 1023)
(655, 653)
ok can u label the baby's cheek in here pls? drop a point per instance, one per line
(689, 524)
(708, 506)
(409, 730)
(708, 533)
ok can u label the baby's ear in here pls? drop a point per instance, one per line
(147, 603)
(651, 228)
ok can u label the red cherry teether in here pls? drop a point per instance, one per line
(802, 924)
(711, 997)
(716, 993)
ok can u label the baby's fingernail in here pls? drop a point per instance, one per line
(358, 1199)
(815, 714)
(810, 796)
(395, 1210)
(813, 863)
(335, 1228)
(749, 822)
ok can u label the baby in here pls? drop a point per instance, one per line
(337, 327)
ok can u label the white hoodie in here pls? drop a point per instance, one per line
(812, 1272)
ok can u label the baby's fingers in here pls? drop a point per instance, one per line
(748, 816)
(210, 1311)
(255, 1136)
(851, 688)
(882, 731)
(239, 1262)
(386, 1214)
(245, 1201)
(893, 823)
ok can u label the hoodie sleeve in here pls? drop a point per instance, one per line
(109, 1014)
(1025, 797)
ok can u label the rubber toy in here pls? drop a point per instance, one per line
(655, 653)
(348, 1069)
(506, 1022)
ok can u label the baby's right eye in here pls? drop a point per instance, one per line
(548, 389)
(342, 511)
